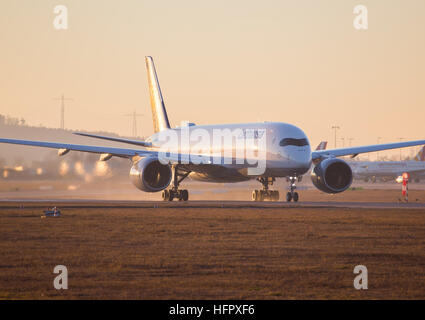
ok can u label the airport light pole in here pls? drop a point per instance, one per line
(343, 142)
(335, 128)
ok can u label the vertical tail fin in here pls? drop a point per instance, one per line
(421, 155)
(322, 145)
(159, 114)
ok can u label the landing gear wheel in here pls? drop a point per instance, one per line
(288, 197)
(257, 195)
(175, 192)
(292, 195)
(184, 195)
(171, 197)
(265, 193)
(260, 196)
(166, 195)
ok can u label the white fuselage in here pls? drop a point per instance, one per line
(284, 149)
(387, 169)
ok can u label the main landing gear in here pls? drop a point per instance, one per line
(265, 193)
(292, 195)
(175, 192)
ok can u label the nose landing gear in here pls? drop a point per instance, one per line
(265, 193)
(292, 194)
(175, 192)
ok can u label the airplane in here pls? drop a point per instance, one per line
(387, 170)
(280, 150)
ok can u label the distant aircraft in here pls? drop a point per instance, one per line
(278, 150)
(390, 170)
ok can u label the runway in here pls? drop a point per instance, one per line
(116, 204)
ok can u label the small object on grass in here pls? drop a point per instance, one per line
(53, 212)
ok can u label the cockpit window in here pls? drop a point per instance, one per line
(293, 142)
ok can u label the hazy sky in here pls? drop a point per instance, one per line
(219, 62)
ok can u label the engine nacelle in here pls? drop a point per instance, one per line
(150, 175)
(332, 176)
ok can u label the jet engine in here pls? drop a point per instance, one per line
(150, 175)
(332, 176)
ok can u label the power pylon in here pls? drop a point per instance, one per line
(134, 116)
(62, 119)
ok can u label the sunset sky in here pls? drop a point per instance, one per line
(219, 62)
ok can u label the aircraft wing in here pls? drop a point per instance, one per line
(170, 157)
(129, 141)
(354, 151)
(119, 152)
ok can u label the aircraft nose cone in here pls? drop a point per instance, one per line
(302, 159)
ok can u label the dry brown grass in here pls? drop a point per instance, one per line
(195, 253)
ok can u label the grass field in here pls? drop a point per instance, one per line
(215, 253)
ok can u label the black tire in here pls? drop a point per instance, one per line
(261, 195)
(165, 195)
(296, 197)
(185, 195)
(288, 197)
(171, 198)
